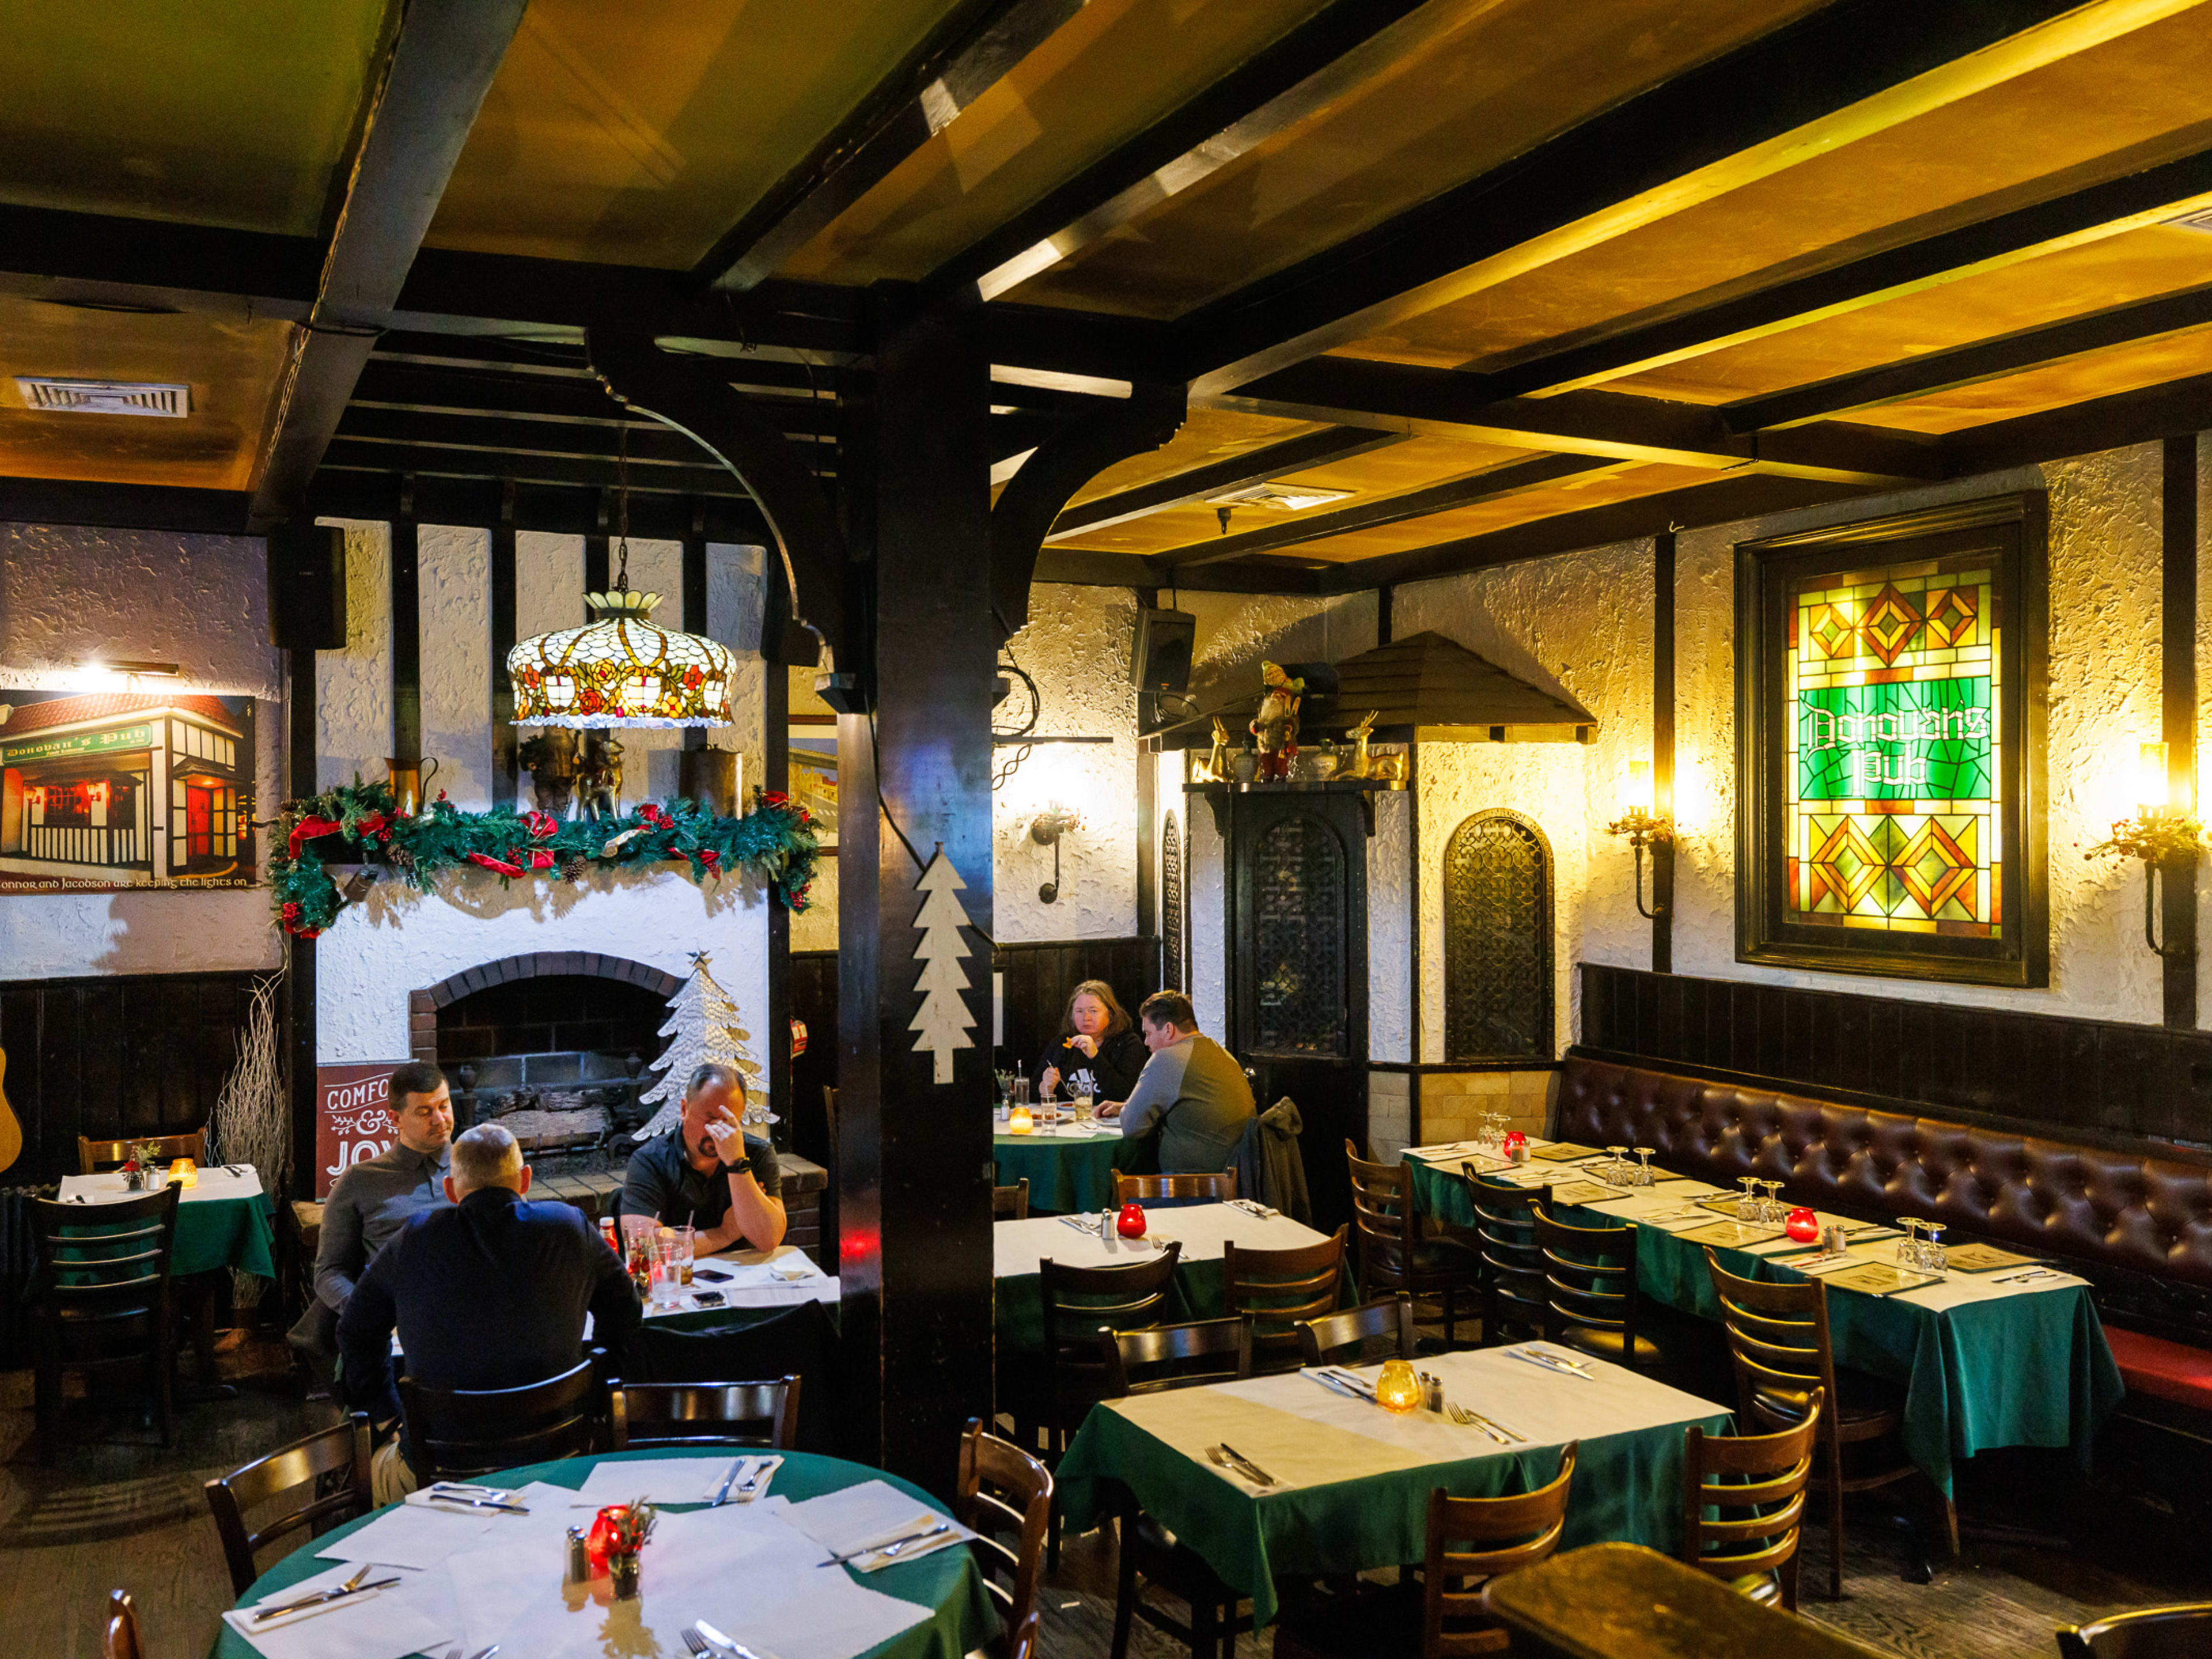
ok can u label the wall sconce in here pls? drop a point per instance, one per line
(2160, 833)
(1046, 829)
(1642, 827)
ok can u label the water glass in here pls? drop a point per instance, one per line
(1614, 1172)
(1774, 1212)
(1643, 1175)
(1908, 1247)
(1084, 1104)
(1746, 1207)
(1021, 1091)
(1934, 1258)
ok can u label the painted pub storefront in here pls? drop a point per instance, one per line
(125, 789)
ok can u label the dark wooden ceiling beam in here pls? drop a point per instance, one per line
(649, 442)
(2093, 213)
(396, 383)
(1084, 567)
(961, 61)
(1935, 371)
(123, 506)
(2173, 409)
(1515, 478)
(1845, 70)
(559, 509)
(1447, 402)
(1325, 57)
(1309, 449)
(433, 82)
(524, 466)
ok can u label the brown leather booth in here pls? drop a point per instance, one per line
(2118, 1209)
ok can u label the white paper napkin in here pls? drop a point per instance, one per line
(661, 1480)
(875, 1511)
(416, 1615)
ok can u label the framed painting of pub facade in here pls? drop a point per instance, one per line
(1891, 683)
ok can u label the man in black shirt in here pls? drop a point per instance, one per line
(488, 1293)
(706, 1174)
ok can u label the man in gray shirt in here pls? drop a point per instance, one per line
(374, 1199)
(1192, 1090)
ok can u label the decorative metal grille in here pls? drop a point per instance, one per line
(1171, 904)
(1298, 939)
(1497, 940)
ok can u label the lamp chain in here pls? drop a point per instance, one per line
(622, 506)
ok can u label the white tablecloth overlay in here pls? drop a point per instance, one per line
(1017, 1247)
(213, 1183)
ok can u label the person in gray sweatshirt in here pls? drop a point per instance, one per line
(1192, 1090)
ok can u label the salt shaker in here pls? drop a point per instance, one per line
(1106, 1225)
(1432, 1392)
(580, 1557)
(1832, 1238)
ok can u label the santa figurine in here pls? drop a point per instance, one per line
(1277, 724)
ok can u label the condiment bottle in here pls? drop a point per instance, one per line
(580, 1557)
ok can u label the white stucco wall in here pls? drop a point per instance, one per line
(68, 593)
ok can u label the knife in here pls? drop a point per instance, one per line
(1549, 1365)
(722, 1492)
(928, 1526)
(477, 1503)
(321, 1596)
(1249, 1468)
(1492, 1423)
(738, 1649)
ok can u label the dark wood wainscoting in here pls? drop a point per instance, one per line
(2092, 1077)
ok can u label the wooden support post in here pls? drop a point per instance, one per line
(774, 778)
(1148, 818)
(406, 636)
(2178, 630)
(914, 1155)
(300, 953)
(1662, 748)
(695, 602)
(505, 773)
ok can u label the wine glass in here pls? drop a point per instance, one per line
(1643, 1176)
(1773, 1212)
(1615, 1173)
(1746, 1207)
(1908, 1247)
(1933, 1256)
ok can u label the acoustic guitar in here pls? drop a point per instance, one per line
(11, 1132)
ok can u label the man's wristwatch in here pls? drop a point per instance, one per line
(743, 1166)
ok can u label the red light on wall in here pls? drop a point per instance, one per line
(99, 793)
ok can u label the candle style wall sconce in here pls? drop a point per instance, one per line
(1643, 828)
(2161, 834)
(1046, 829)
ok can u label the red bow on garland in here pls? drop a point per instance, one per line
(308, 829)
(541, 826)
(501, 864)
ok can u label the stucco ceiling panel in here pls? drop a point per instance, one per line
(639, 134)
(2101, 374)
(1208, 435)
(232, 113)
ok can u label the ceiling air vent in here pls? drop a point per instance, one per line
(2202, 221)
(104, 397)
(1287, 498)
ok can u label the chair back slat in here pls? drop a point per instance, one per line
(1076, 1302)
(471, 1431)
(1003, 1492)
(298, 1470)
(121, 1637)
(1176, 1356)
(1389, 1321)
(2181, 1632)
(104, 1266)
(1011, 1203)
(764, 1414)
(1217, 1187)
(1384, 1218)
(1280, 1288)
(1743, 1500)
(1589, 1276)
(98, 1157)
(1472, 1540)
(1778, 1332)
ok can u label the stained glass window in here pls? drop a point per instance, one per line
(1892, 797)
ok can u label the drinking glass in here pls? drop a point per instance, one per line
(1643, 1175)
(1084, 1104)
(687, 1250)
(1908, 1247)
(1933, 1256)
(1773, 1212)
(667, 1281)
(1616, 1169)
(1021, 1091)
(1746, 1207)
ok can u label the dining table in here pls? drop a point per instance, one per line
(1350, 1480)
(758, 1571)
(222, 1219)
(1954, 1344)
(1070, 1166)
(1199, 1289)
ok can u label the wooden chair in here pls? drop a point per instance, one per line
(103, 1298)
(465, 1432)
(1025, 1640)
(96, 1156)
(1471, 1542)
(1011, 1203)
(1396, 1252)
(1321, 1341)
(1217, 1188)
(1515, 1293)
(1757, 1484)
(1779, 1337)
(1077, 1301)
(1176, 1356)
(1003, 1492)
(2182, 1631)
(1589, 1286)
(705, 1415)
(299, 1473)
(1281, 1289)
(122, 1635)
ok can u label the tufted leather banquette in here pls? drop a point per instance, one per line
(2148, 1215)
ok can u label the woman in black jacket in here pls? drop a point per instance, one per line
(1099, 1053)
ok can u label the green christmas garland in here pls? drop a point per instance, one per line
(361, 824)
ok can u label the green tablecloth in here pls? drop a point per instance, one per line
(964, 1616)
(1067, 1175)
(1627, 1488)
(2032, 1370)
(225, 1232)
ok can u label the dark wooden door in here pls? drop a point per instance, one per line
(1298, 969)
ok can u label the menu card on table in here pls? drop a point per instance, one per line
(1984, 1259)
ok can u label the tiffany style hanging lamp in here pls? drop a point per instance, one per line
(619, 669)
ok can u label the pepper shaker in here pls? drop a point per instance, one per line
(1832, 1238)
(1432, 1392)
(580, 1557)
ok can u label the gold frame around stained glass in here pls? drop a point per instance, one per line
(621, 670)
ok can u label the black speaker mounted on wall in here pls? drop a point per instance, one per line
(308, 587)
(1159, 654)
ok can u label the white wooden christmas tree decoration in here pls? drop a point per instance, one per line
(942, 1018)
(703, 1025)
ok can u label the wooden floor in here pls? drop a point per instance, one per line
(115, 1509)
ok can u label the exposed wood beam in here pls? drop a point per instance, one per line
(955, 67)
(1335, 443)
(1723, 501)
(557, 396)
(1447, 402)
(123, 506)
(1513, 478)
(1842, 73)
(2090, 215)
(450, 461)
(1083, 568)
(2149, 416)
(651, 444)
(1327, 57)
(441, 65)
(1995, 359)
(559, 509)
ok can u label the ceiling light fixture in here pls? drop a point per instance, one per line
(1287, 498)
(137, 670)
(619, 669)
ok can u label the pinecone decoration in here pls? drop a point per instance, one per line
(572, 867)
(402, 860)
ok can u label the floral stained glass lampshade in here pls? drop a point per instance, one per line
(620, 670)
